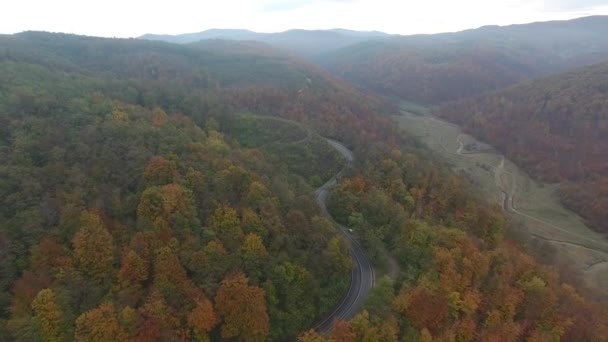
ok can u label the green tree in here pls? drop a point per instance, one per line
(227, 227)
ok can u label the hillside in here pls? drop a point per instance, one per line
(556, 128)
(436, 68)
(122, 195)
(306, 43)
(155, 192)
(181, 78)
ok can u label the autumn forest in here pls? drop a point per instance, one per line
(152, 191)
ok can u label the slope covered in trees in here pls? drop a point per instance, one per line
(142, 198)
(556, 128)
(141, 218)
(437, 68)
(460, 279)
(128, 213)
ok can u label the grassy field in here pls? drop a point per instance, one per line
(533, 205)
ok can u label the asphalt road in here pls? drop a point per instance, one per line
(362, 280)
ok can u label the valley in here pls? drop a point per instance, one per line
(230, 185)
(533, 206)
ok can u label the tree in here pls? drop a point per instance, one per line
(252, 223)
(253, 254)
(342, 332)
(159, 321)
(242, 309)
(425, 335)
(310, 336)
(167, 209)
(423, 307)
(171, 279)
(93, 246)
(100, 324)
(227, 227)
(202, 319)
(48, 318)
(160, 171)
(339, 253)
(253, 248)
(133, 270)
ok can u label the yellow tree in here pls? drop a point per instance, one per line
(227, 226)
(93, 246)
(100, 324)
(310, 336)
(48, 318)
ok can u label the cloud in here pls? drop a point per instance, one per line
(288, 5)
(573, 5)
(131, 18)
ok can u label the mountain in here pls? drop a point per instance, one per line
(306, 43)
(205, 35)
(365, 34)
(437, 68)
(556, 128)
(139, 174)
(155, 192)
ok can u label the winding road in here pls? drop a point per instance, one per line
(362, 279)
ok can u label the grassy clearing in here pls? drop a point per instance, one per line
(536, 205)
(414, 108)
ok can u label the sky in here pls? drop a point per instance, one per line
(132, 18)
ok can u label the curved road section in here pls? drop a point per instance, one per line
(362, 279)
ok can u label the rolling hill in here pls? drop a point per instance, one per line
(143, 145)
(436, 68)
(556, 128)
(143, 197)
(307, 43)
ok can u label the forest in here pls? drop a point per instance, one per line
(158, 192)
(433, 69)
(556, 128)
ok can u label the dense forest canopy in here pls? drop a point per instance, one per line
(556, 128)
(143, 197)
(122, 195)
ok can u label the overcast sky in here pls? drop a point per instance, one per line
(130, 18)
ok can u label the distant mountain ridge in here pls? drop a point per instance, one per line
(302, 42)
(443, 67)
